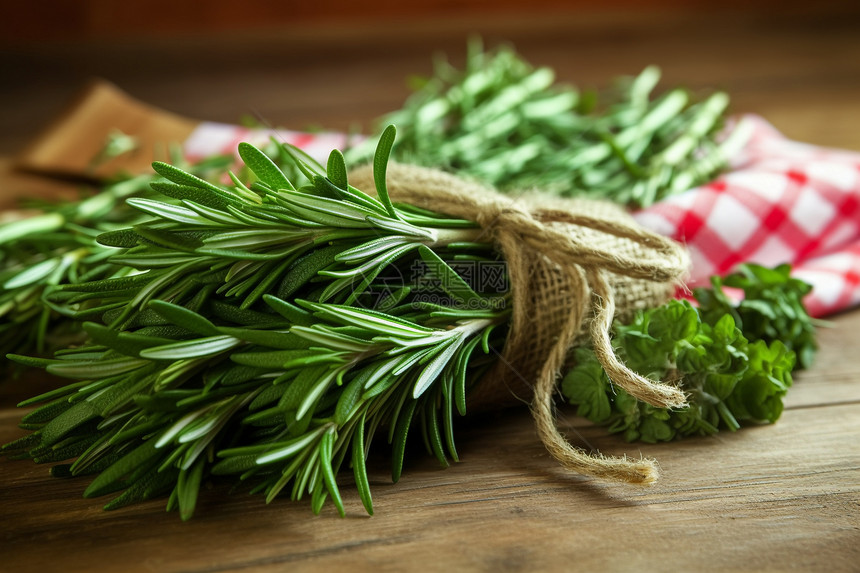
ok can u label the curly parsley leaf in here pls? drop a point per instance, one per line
(733, 360)
(772, 307)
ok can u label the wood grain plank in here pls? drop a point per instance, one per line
(834, 378)
(778, 496)
(791, 489)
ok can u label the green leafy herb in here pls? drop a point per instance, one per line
(771, 307)
(732, 371)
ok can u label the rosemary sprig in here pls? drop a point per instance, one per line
(242, 336)
(508, 124)
(59, 246)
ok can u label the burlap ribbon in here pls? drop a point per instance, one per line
(573, 266)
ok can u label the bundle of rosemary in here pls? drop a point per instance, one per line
(256, 331)
(508, 124)
(269, 330)
(250, 331)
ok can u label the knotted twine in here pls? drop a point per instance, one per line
(573, 266)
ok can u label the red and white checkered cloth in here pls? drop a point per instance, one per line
(210, 138)
(780, 202)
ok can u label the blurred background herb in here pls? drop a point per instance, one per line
(510, 125)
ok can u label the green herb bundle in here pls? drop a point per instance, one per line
(268, 330)
(59, 246)
(508, 124)
(250, 332)
(733, 369)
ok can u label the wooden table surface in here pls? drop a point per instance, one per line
(768, 498)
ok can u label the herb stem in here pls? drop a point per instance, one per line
(444, 237)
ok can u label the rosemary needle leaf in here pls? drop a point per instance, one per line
(306, 164)
(263, 167)
(184, 317)
(191, 348)
(336, 169)
(185, 180)
(291, 447)
(95, 369)
(349, 400)
(33, 274)
(125, 343)
(167, 211)
(187, 488)
(359, 466)
(404, 420)
(365, 318)
(325, 460)
(449, 280)
(432, 371)
(380, 166)
(131, 462)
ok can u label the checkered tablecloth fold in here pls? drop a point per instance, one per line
(781, 202)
